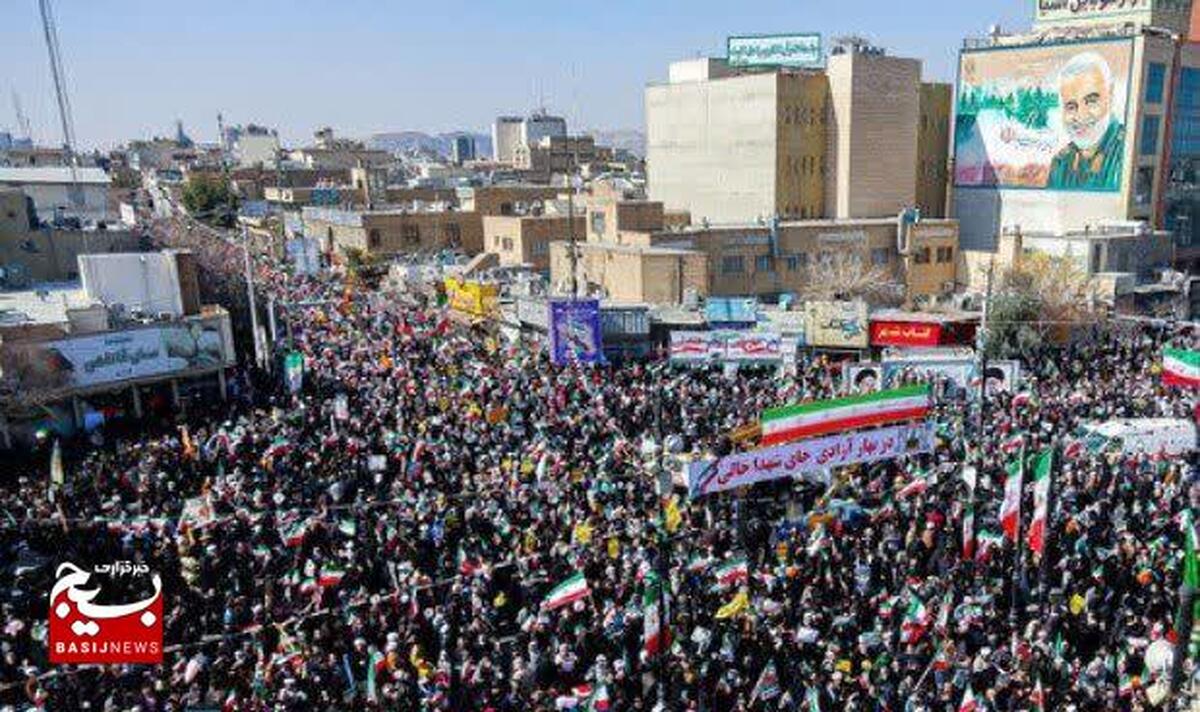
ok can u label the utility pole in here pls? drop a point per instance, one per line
(258, 347)
(50, 32)
(571, 226)
(981, 343)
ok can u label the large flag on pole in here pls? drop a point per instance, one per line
(916, 620)
(57, 474)
(1041, 498)
(806, 420)
(654, 636)
(1010, 508)
(1181, 367)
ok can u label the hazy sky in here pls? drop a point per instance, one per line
(362, 66)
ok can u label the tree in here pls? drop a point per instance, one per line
(843, 275)
(210, 199)
(1039, 300)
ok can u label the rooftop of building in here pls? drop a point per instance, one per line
(42, 304)
(53, 175)
(820, 222)
(629, 249)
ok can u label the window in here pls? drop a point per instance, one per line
(1149, 145)
(764, 263)
(825, 257)
(374, 238)
(945, 255)
(1155, 77)
(880, 256)
(598, 223)
(921, 256)
(1143, 186)
(508, 244)
(411, 234)
(732, 264)
(541, 247)
(796, 261)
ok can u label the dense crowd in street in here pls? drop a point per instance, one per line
(386, 537)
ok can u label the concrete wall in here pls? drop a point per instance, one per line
(50, 255)
(802, 165)
(693, 130)
(873, 138)
(933, 149)
(526, 240)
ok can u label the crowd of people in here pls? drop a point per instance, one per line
(386, 536)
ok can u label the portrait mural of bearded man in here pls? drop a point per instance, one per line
(1045, 117)
(1094, 154)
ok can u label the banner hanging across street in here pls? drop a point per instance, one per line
(808, 459)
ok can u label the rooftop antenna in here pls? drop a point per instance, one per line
(64, 102)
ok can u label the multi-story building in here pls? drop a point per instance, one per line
(1092, 117)
(733, 145)
(540, 125)
(506, 199)
(557, 155)
(526, 239)
(393, 231)
(253, 146)
(462, 149)
(60, 191)
(506, 136)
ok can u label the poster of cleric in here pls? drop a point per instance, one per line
(1047, 117)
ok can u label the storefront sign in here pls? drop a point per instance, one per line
(808, 459)
(905, 333)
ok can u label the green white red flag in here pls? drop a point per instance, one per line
(732, 572)
(1181, 367)
(806, 420)
(655, 636)
(968, 532)
(1041, 500)
(567, 592)
(916, 620)
(969, 703)
(1010, 508)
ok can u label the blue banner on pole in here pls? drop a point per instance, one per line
(575, 331)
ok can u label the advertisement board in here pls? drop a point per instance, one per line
(841, 325)
(1068, 11)
(1045, 117)
(742, 310)
(575, 331)
(795, 50)
(727, 347)
(117, 356)
(808, 459)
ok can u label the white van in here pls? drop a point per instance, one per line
(1142, 435)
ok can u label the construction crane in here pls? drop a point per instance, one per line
(22, 119)
(64, 102)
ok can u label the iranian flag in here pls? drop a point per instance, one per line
(916, 620)
(1181, 367)
(969, 703)
(732, 572)
(654, 635)
(968, 533)
(806, 420)
(1041, 500)
(331, 576)
(567, 592)
(1037, 701)
(1191, 562)
(1010, 509)
(1013, 444)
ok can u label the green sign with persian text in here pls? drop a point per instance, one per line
(794, 51)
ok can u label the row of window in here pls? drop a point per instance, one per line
(880, 257)
(410, 235)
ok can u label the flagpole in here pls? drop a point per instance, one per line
(1186, 610)
(1048, 532)
(1018, 555)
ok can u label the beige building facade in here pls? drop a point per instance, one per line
(733, 146)
(526, 239)
(393, 232)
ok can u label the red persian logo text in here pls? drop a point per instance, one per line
(85, 632)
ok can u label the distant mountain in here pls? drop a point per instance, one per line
(419, 142)
(631, 140)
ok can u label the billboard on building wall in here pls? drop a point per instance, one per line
(116, 356)
(837, 325)
(575, 333)
(798, 50)
(1050, 11)
(1047, 117)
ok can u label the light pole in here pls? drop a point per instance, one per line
(258, 347)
